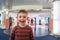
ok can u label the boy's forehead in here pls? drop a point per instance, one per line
(22, 14)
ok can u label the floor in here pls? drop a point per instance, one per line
(6, 37)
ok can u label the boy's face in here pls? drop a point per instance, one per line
(22, 17)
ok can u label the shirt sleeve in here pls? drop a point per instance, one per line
(31, 35)
(12, 36)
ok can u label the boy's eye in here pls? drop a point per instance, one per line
(19, 16)
(24, 16)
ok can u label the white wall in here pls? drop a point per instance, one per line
(37, 14)
(56, 17)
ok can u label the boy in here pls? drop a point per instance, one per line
(22, 31)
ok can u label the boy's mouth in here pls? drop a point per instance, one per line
(22, 21)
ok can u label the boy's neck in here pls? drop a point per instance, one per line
(22, 25)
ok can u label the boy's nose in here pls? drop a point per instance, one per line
(22, 18)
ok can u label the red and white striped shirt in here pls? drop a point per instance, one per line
(22, 33)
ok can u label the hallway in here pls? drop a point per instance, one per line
(6, 37)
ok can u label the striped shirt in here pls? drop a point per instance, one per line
(22, 33)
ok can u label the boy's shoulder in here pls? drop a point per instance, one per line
(29, 27)
(15, 27)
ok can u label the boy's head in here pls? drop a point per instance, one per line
(22, 16)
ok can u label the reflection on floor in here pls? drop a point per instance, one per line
(6, 37)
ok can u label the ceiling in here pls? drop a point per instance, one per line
(45, 3)
(9, 3)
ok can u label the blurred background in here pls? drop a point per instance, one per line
(43, 17)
